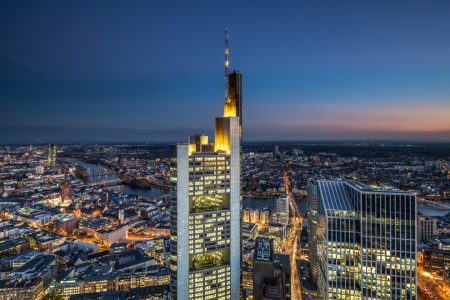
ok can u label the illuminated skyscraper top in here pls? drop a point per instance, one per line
(205, 207)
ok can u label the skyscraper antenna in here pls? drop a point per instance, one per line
(227, 78)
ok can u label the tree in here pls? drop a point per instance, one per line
(131, 247)
(144, 213)
(57, 294)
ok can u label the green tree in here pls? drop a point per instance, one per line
(57, 294)
(144, 213)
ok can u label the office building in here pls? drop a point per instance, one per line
(271, 272)
(426, 228)
(434, 260)
(362, 241)
(275, 150)
(113, 235)
(283, 209)
(51, 154)
(249, 230)
(205, 206)
(307, 285)
(446, 274)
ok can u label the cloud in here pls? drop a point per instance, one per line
(25, 63)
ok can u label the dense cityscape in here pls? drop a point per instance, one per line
(132, 168)
(92, 218)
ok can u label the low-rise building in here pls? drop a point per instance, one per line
(11, 246)
(434, 260)
(65, 225)
(250, 230)
(161, 292)
(92, 225)
(49, 240)
(113, 235)
(31, 280)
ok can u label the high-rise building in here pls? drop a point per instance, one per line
(283, 209)
(120, 160)
(271, 272)
(205, 206)
(426, 228)
(275, 150)
(362, 242)
(51, 153)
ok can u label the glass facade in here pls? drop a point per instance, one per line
(205, 217)
(365, 241)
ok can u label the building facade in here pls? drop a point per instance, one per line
(426, 228)
(434, 260)
(365, 241)
(206, 201)
(65, 224)
(113, 235)
(283, 209)
(51, 154)
(271, 272)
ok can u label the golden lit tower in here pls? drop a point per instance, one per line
(233, 91)
(205, 206)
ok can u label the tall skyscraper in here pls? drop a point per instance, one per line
(51, 153)
(362, 242)
(283, 209)
(205, 205)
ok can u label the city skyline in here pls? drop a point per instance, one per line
(97, 73)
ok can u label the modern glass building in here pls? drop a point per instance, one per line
(206, 201)
(51, 153)
(362, 241)
(283, 209)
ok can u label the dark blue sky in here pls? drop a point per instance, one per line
(154, 70)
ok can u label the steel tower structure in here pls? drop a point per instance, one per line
(227, 72)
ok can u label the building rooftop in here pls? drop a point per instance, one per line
(95, 223)
(281, 261)
(335, 196)
(304, 274)
(263, 249)
(65, 219)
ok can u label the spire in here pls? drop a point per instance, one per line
(227, 73)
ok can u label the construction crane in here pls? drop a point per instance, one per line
(227, 73)
(273, 211)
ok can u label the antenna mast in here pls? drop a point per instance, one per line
(227, 78)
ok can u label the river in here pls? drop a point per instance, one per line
(123, 189)
(426, 210)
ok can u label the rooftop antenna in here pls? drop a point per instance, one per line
(227, 73)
